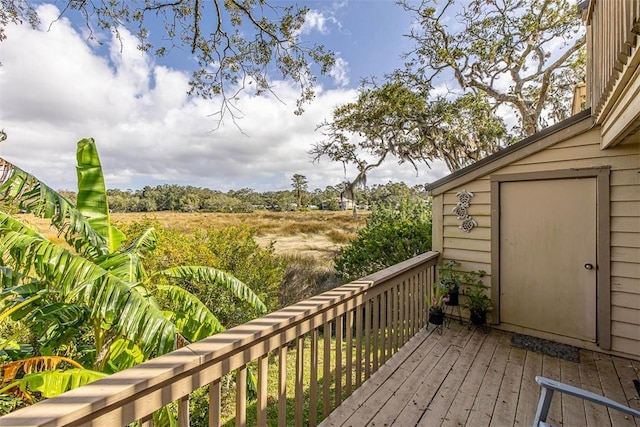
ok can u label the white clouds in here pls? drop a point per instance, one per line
(314, 20)
(318, 21)
(55, 89)
(340, 72)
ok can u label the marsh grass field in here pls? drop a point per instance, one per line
(317, 233)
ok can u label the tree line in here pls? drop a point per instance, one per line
(187, 198)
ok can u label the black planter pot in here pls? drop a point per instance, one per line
(436, 317)
(478, 317)
(453, 297)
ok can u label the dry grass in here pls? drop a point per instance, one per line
(318, 233)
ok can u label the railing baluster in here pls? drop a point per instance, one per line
(147, 421)
(383, 328)
(423, 292)
(421, 301)
(359, 346)
(338, 364)
(389, 323)
(326, 374)
(214, 403)
(313, 388)
(410, 308)
(367, 339)
(241, 396)
(402, 315)
(396, 317)
(409, 291)
(263, 370)
(183, 412)
(349, 354)
(407, 310)
(416, 306)
(299, 399)
(612, 40)
(282, 386)
(376, 323)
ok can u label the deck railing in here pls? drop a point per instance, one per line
(367, 320)
(612, 37)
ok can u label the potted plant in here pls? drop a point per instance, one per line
(439, 297)
(451, 279)
(478, 303)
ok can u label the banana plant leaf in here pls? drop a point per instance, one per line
(92, 193)
(109, 299)
(8, 277)
(11, 370)
(123, 354)
(216, 277)
(53, 383)
(32, 195)
(8, 222)
(14, 350)
(127, 263)
(192, 318)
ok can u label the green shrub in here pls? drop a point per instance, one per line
(393, 234)
(237, 252)
(232, 249)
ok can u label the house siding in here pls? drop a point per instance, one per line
(473, 249)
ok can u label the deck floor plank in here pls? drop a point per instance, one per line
(397, 394)
(404, 359)
(466, 395)
(572, 407)
(612, 388)
(466, 378)
(628, 371)
(421, 382)
(443, 399)
(596, 415)
(482, 410)
(529, 390)
(505, 409)
(420, 395)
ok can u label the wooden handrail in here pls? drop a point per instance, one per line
(354, 311)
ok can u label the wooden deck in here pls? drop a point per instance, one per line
(465, 377)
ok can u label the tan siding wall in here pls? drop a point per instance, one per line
(473, 249)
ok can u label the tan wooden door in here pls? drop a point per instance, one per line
(547, 245)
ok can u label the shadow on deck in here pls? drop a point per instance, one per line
(467, 377)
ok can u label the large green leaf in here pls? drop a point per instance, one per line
(110, 300)
(92, 193)
(123, 354)
(54, 383)
(127, 264)
(192, 318)
(216, 277)
(31, 194)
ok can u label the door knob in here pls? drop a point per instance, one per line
(588, 266)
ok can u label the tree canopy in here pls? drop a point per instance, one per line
(237, 44)
(300, 185)
(469, 61)
(394, 121)
(523, 54)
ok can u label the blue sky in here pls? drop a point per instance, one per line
(57, 88)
